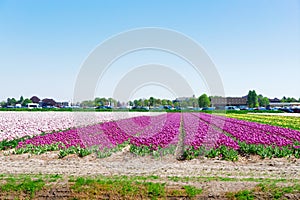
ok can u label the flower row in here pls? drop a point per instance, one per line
(15, 125)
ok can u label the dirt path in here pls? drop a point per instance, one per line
(125, 163)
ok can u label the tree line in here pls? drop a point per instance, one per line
(13, 102)
(253, 100)
(202, 101)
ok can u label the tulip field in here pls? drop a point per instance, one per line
(155, 134)
(282, 121)
(14, 125)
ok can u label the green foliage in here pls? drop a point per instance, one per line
(106, 152)
(252, 99)
(26, 101)
(140, 150)
(155, 152)
(268, 151)
(243, 195)
(126, 186)
(27, 185)
(223, 152)
(21, 100)
(5, 144)
(263, 101)
(81, 152)
(37, 149)
(55, 177)
(139, 187)
(203, 101)
(289, 99)
(278, 191)
(103, 153)
(155, 190)
(227, 153)
(192, 191)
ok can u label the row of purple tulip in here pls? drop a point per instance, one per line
(199, 133)
(163, 130)
(149, 131)
(251, 132)
(14, 125)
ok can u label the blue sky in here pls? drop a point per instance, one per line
(254, 44)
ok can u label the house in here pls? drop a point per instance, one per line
(275, 100)
(35, 99)
(47, 103)
(64, 104)
(228, 101)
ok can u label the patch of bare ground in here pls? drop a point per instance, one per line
(126, 163)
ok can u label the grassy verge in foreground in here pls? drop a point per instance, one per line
(267, 191)
(134, 187)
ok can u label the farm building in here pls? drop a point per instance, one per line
(228, 101)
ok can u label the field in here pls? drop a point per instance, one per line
(149, 155)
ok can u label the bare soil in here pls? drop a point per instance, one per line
(126, 163)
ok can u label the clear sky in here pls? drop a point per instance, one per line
(255, 44)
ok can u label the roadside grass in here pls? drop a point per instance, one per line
(241, 195)
(136, 187)
(270, 190)
(25, 185)
(228, 179)
(139, 187)
(276, 191)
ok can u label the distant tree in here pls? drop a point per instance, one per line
(26, 101)
(288, 99)
(96, 101)
(2, 103)
(101, 101)
(21, 100)
(146, 103)
(112, 102)
(164, 102)
(283, 99)
(8, 101)
(140, 102)
(151, 101)
(252, 99)
(176, 104)
(130, 103)
(203, 101)
(193, 102)
(87, 103)
(157, 102)
(13, 102)
(264, 102)
(291, 99)
(135, 102)
(184, 104)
